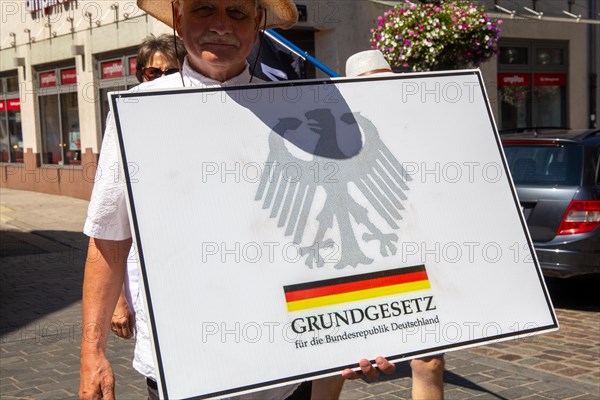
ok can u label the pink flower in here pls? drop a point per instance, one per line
(425, 39)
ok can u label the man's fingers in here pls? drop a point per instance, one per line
(108, 390)
(131, 324)
(83, 395)
(97, 380)
(125, 332)
(122, 327)
(350, 374)
(385, 366)
(120, 332)
(368, 370)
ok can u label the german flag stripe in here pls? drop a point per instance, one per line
(357, 295)
(354, 278)
(355, 286)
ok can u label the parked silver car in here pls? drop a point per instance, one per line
(557, 177)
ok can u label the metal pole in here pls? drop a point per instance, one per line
(300, 53)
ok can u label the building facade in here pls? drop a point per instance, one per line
(59, 59)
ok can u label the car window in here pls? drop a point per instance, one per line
(557, 165)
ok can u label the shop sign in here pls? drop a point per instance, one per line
(13, 104)
(111, 69)
(34, 6)
(550, 79)
(68, 76)
(132, 65)
(48, 79)
(10, 105)
(514, 79)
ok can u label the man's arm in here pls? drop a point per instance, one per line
(104, 273)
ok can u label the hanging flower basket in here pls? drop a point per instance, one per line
(434, 36)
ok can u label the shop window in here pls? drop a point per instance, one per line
(59, 115)
(513, 55)
(550, 56)
(115, 74)
(532, 84)
(11, 133)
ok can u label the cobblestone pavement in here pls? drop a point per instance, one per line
(42, 255)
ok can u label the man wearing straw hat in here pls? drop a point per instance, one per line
(218, 35)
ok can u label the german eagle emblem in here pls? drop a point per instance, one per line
(343, 152)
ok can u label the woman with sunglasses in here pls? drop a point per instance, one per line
(159, 56)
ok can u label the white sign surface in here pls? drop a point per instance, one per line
(287, 230)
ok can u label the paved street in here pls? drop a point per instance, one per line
(42, 255)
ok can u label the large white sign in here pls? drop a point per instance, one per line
(287, 230)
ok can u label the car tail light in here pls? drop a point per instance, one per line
(582, 216)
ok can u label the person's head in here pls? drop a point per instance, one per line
(367, 63)
(219, 34)
(158, 56)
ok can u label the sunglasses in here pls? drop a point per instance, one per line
(151, 73)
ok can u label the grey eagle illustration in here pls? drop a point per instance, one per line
(365, 162)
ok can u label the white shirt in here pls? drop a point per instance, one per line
(108, 219)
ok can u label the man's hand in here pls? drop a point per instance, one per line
(368, 371)
(97, 378)
(122, 322)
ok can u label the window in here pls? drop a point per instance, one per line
(11, 133)
(59, 116)
(115, 73)
(532, 84)
(559, 165)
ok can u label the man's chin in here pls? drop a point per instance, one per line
(220, 58)
(214, 63)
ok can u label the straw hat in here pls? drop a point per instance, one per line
(371, 61)
(280, 13)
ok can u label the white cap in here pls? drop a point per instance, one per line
(367, 61)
